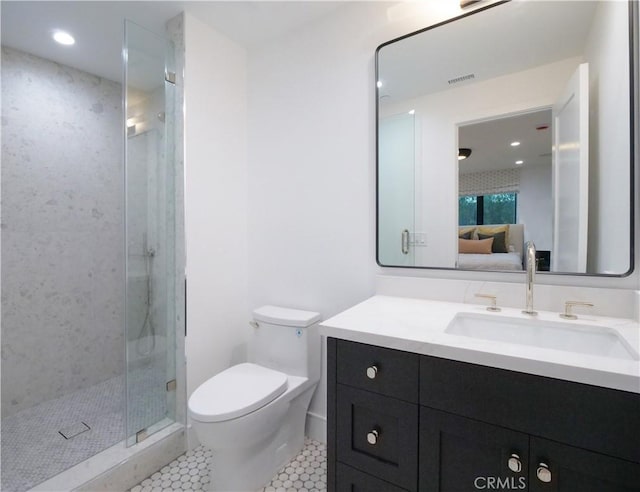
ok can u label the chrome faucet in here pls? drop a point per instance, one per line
(530, 263)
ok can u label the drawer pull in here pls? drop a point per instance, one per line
(372, 437)
(515, 465)
(543, 473)
(372, 372)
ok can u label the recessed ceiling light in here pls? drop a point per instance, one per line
(63, 37)
(379, 84)
(515, 144)
(519, 163)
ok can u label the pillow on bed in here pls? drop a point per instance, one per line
(491, 230)
(465, 231)
(499, 242)
(475, 246)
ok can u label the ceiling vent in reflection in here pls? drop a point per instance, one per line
(462, 78)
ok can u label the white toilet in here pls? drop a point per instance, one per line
(252, 415)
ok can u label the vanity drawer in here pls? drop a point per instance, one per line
(377, 435)
(352, 480)
(384, 371)
(585, 416)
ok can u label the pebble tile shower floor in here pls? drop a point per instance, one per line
(33, 450)
(307, 472)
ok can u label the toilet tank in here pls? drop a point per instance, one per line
(286, 340)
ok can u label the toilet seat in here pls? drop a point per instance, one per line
(235, 392)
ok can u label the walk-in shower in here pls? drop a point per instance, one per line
(92, 267)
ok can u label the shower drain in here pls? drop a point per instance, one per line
(73, 430)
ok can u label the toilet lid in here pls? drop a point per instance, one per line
(235, 392)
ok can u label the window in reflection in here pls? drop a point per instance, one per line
(497, 208)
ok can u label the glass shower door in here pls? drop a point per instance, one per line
(150, 180)
(396, 190)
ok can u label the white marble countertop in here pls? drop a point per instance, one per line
(418, 325)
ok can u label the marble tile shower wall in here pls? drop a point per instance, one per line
(62, 230)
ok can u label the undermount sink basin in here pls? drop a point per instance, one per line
(577, 338)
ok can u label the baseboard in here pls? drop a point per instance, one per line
(316, 427)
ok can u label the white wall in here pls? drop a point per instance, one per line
(608, 248)
(312, 166)
(535, 206)
(215, 201)
(312, 155)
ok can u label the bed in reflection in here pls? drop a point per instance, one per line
(490, 247)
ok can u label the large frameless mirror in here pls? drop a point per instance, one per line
(508, 124)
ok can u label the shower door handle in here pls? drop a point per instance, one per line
(405, 242)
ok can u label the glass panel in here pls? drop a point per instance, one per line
(150, 230)
(500, 208)
(468, 210)
(396, 185)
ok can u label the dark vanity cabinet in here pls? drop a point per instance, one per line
(374, 415)
(457, 453)
(399, 421)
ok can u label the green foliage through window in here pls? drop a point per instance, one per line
(468, 210)
(499, 208)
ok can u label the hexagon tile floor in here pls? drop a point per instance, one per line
(307, 472)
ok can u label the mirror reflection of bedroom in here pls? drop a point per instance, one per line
(505, 191)
(507, 125)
